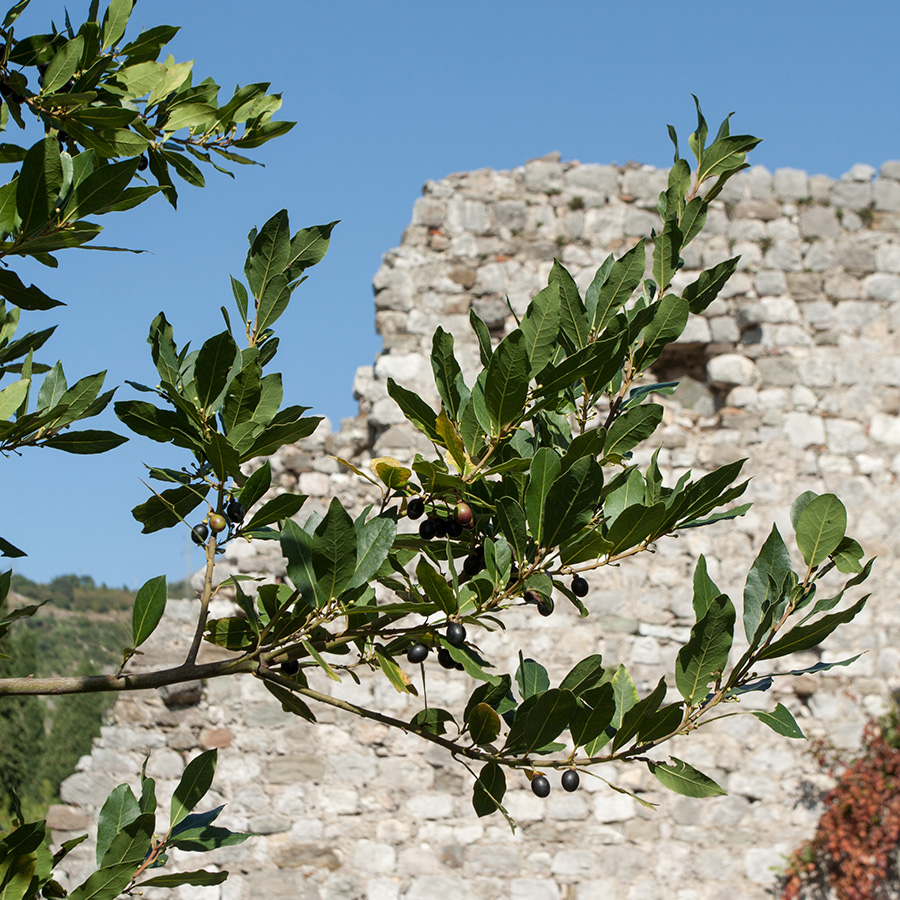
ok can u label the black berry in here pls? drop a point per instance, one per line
(545, 606)
(440, 526)
(540, 785)
(464, 514)
(532, 597)
(570, 780)
(454, 529)
(456, 634)
(290, 667)
(445, 659)
(428, 529)
(417, 653)
(199, 534)
(217, 523)
(415, 508)
(235, 511)
(143, 162)
(579, 586)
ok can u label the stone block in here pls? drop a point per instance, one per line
(543, 176)
(804, 430)
(890, 169)
(532, 889)
(731, 369)
(294, 769)
(792, 184)
(882, 287)
(374, 858)
(819, 222)
(603, 179)
(853, 195)
(770, 283)
(886, 195)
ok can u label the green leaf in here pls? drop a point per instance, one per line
(804, 637)
(256, 485)
(132, 843)
(545, 468)
(573, 320)
(199, 877)
(641, 717)
(309, 246)
(624, 276)
(625, 694)
(279, 508)
(684, 779)
(115, 20)
(820, 528)
(395, 675)
(85, 442)
(485, 348)
(703, 658)
(13, 290)
(147, 44)
(668, 323)
(433, 719)
(101, 188)
(38, 186)
(276, 436)
(571, 501)
(589, 724)
(207, 837)
(531, 678)
(435, 587)
(212, 368)
(506, 384)
(584, 675)
(193, 786)
(484, 724)
(847, 556)
(290, 702)
(705, 289)
(333, 550)
(269, 253)
(119, 809)
(633, 427)
(63, 65)
(415, 409)
(373, 543)
(447, 374)
(170, 507)
(540, 325)
(781, 722)
(666, 249)
(542, 722)
(149, 606)
(634, 525)
(296, 546)
(11, 397)
(771, 567)
(725, 155)
(705, 590)
(490, 786)
(104, 884)
(511, 520)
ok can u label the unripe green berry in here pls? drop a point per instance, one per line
(217, 523)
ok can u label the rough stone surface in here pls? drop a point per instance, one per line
(793, 367)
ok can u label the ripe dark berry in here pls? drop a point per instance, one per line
(570, 780)
(545, 606)
(464, 514)
(454, 529)
(217, 523)
(445, 659)
(579, 586)
(143, 162)
(290, 667)
(440, 528)
(540, 785)
(428, 529)
(532, 597)
(456, 634)
(415, 508)
(235, 511)
(199, 534)
(417, 653)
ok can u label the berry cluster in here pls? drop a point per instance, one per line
(540, 784)
(217, 523)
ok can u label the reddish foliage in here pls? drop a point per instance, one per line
(855, 848)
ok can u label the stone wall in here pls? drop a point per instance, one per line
(795, 366)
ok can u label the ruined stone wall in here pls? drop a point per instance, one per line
(796, 366)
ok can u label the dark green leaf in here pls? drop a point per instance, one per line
(804, 637)
(700, 293)
(104, 884)
(13, 290)
(149, 606)
(199, 877)
(589, 724)
(296, 545)
(309, 246)
(490, 786)
(569, 312)
(119, 809)
(132, 843)
(169, 508)
(274, 437)
(666, 249)
(632, 428)
(781, 722)
(38, 186)
(506, 383)
(531, 678)
(290, 702)
(668, 323)
(545, 468)
(63, 65)
(703, 658)
(193, 786)
(640, 716)
(624, 276)
(634, 525)
(334, 550)
(279, 508)
(269, 253)
(373, 543)
(511, 520)
(256, 485)
(484, 724)
(820, 528)
(212, 367)
(447, 375)
(435, 587)
(571, 501)
(433, 719)
(115, 20)
(85, 441)
(684, 779)
(705, 590)
(771, 567)
(544, 721)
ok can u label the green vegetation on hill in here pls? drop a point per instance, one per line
(82, 629)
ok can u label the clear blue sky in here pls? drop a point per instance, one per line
(388, 95)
